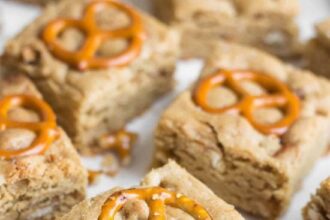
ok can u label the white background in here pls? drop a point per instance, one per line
(14, 16)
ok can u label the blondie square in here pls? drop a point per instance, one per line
(239, 145)
(35, 186)
(93, 100)
(268, 25)
(319, 206)
(317, 50)
(170, 177)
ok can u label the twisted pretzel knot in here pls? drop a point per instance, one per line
(156, 198)
(86, 57)
(46, 129)
(280, 97)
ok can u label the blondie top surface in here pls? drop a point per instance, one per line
(234, 132)
(30, 53)
(165, 177)
(188, 9)
(59, 162)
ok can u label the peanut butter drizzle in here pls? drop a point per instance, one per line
(86, 57)
(282, 98)
(46, 129)
(157, 199)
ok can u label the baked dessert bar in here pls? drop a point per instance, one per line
(317, 50)
(38, 182)
(268, 25)
(168, 179)
(115, 74)
(319, 206)
(250, 129)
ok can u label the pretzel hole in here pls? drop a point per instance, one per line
(134, 209)
(15, 139)
(253, 88)
(72, 39)
(112, 47)
(268, 116)
(21, 114)
(220, 97)
(110, 18)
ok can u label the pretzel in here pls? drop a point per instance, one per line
(46, 129)
(281, 97)
(156, 198)
(86, 57)
(121, 142)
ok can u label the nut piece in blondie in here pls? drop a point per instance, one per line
(317, 51)
(41, 175)
(250, 129)
(268, 25)
(319, 206)
(98, 63)
(177, 187)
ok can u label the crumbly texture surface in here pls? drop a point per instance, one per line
(94, 102)
(268, 25)
(249, 169)
(171, 177)
(319, 206)
(317, 51)
(40, 186)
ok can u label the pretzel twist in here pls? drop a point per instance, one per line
(86, 57)
(281, 97)
(46, 128)
(156, 198)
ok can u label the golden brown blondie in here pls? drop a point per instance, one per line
(268, 25)
(99, 80)
(250, 129)
(34, 184)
